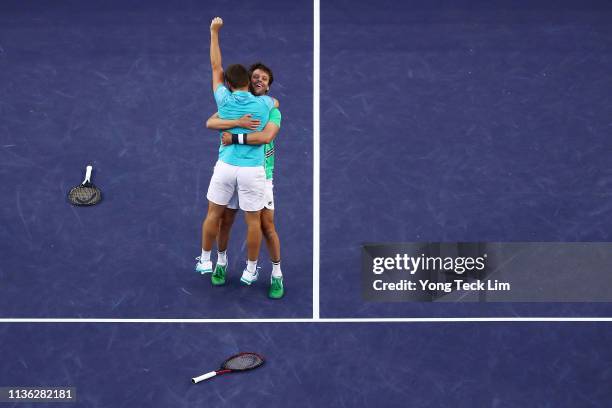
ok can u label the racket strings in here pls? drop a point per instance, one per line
(84, 195)
(243, 362)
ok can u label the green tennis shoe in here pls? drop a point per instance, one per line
(277, 290)
(218, 276)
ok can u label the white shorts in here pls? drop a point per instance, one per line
(247, 182)
(268, 197)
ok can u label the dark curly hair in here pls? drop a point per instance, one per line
(259, 65)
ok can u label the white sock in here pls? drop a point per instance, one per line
(252, 266)
(222, 258)
(205, 256)
(276, 270)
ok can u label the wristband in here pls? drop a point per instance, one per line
(240, 138)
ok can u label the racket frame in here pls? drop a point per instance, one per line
(212, 374)
(86, 183)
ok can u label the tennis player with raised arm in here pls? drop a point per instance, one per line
(240, 166)
(261, 79)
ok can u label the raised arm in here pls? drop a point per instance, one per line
(256, 138)
(246, 122)
(215, 53)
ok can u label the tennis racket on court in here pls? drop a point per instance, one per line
(85, 193)
(239, 362)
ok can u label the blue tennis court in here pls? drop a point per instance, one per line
(460, 122)
(126, 86)
(317, 365)
(445, 121)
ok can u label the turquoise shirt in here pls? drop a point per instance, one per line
(233, 105)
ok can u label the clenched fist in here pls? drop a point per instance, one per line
(216, 24)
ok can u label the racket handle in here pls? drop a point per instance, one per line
(203, 377)
(88, 174)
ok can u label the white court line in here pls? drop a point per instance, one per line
(323, 320)
(316, 160)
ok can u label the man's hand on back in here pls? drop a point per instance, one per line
(226, 139)
(248, 122)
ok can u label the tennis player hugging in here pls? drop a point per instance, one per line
(248, 121)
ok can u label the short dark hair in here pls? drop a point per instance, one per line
(236, 76)
(259, 65)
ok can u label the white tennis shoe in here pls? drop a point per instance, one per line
(248, 277)
(203, 267)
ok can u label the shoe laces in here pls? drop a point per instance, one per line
(277, 283)
(199, 259)
(257, 268)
